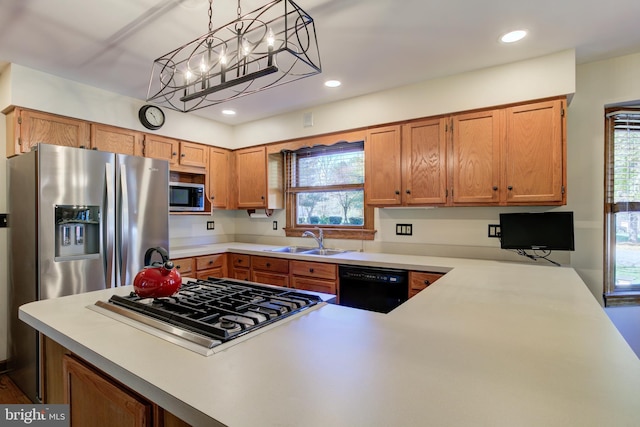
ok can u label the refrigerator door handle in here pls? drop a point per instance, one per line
(107, 226)
(124, 227)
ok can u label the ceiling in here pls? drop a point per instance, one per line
(369, 45)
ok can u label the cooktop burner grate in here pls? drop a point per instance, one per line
(222, 309)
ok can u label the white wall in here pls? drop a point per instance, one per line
(546, 76)
(598, 84)
(44, 92)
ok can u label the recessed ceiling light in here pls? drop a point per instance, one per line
(332, 83)
(228, 112)
(513, 36)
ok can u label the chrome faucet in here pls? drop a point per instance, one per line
(319, 239)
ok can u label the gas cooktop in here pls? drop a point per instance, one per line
(214, 311)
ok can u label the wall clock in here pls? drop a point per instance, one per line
(151, 117)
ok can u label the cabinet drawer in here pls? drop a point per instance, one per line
(419, 281)
(240, 274)
(315, 285)
(277, 265)
(218, 273)
(242, 261)
(318, 270)
(270, 278)
(184, 265)
(209, 261)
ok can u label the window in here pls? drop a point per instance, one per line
(325, 188)
(622, 205)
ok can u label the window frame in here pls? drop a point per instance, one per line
(292, 229)
(613, 295)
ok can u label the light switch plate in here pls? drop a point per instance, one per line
(404, 229)
(494, 230)
(211, 225)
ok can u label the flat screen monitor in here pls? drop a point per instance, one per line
(540, 230)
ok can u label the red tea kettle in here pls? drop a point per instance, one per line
(158, 279)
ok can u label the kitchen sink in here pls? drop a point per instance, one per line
(291, 249)
(307, 250)
(325, 251)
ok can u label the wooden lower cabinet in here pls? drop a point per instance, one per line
(314, 276)
(239, 266)
(211, 266)
(420, 280)
(271, 271)
(94, 397)
(185, 266)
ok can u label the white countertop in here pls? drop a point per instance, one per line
(489, 344)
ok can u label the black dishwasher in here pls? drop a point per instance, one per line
(372, 288)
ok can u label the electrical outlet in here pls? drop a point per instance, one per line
(404, 229)
(275, 225)
(211, 225)
(494, 230)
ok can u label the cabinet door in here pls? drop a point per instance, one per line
(251, 170)
(93, 397)
(267, 278)
(534, 153)
(192, 154)
(424, 173)
(383, 173)
(475, 161)
(314, 285)
(116, 140)
(157, 147)
(38, 127)
(218, 176)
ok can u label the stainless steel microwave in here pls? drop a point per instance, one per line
(186, 197)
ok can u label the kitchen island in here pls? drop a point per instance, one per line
(490, 344)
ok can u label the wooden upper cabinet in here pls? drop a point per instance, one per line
(32, 127)
(475, 157)
(158, 147)
(192, 154)
(424, 175)
(218, 177)
(383, 168)
(534, 150)
(251, 177)
(116, 140)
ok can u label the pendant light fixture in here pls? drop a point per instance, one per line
(273, 45)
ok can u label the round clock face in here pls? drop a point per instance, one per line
(151, 117)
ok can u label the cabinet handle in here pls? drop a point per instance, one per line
(495, 188)
(239, 261)
(174, 154)
(397, 192)
(81, 146)
(311, 270)
(262, 197)
(212, 197)
(177, 267)
(183, 155)
(510, 187)
(210, 261)
(408, 191)
(268, 265)
(427, 282)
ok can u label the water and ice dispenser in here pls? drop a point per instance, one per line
(77, 231)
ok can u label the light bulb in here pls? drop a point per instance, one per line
(188, 75)
(246, 48)
(203, 65)
(223, 57)
(271, 39)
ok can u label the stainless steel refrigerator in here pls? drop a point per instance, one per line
(79, 220)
